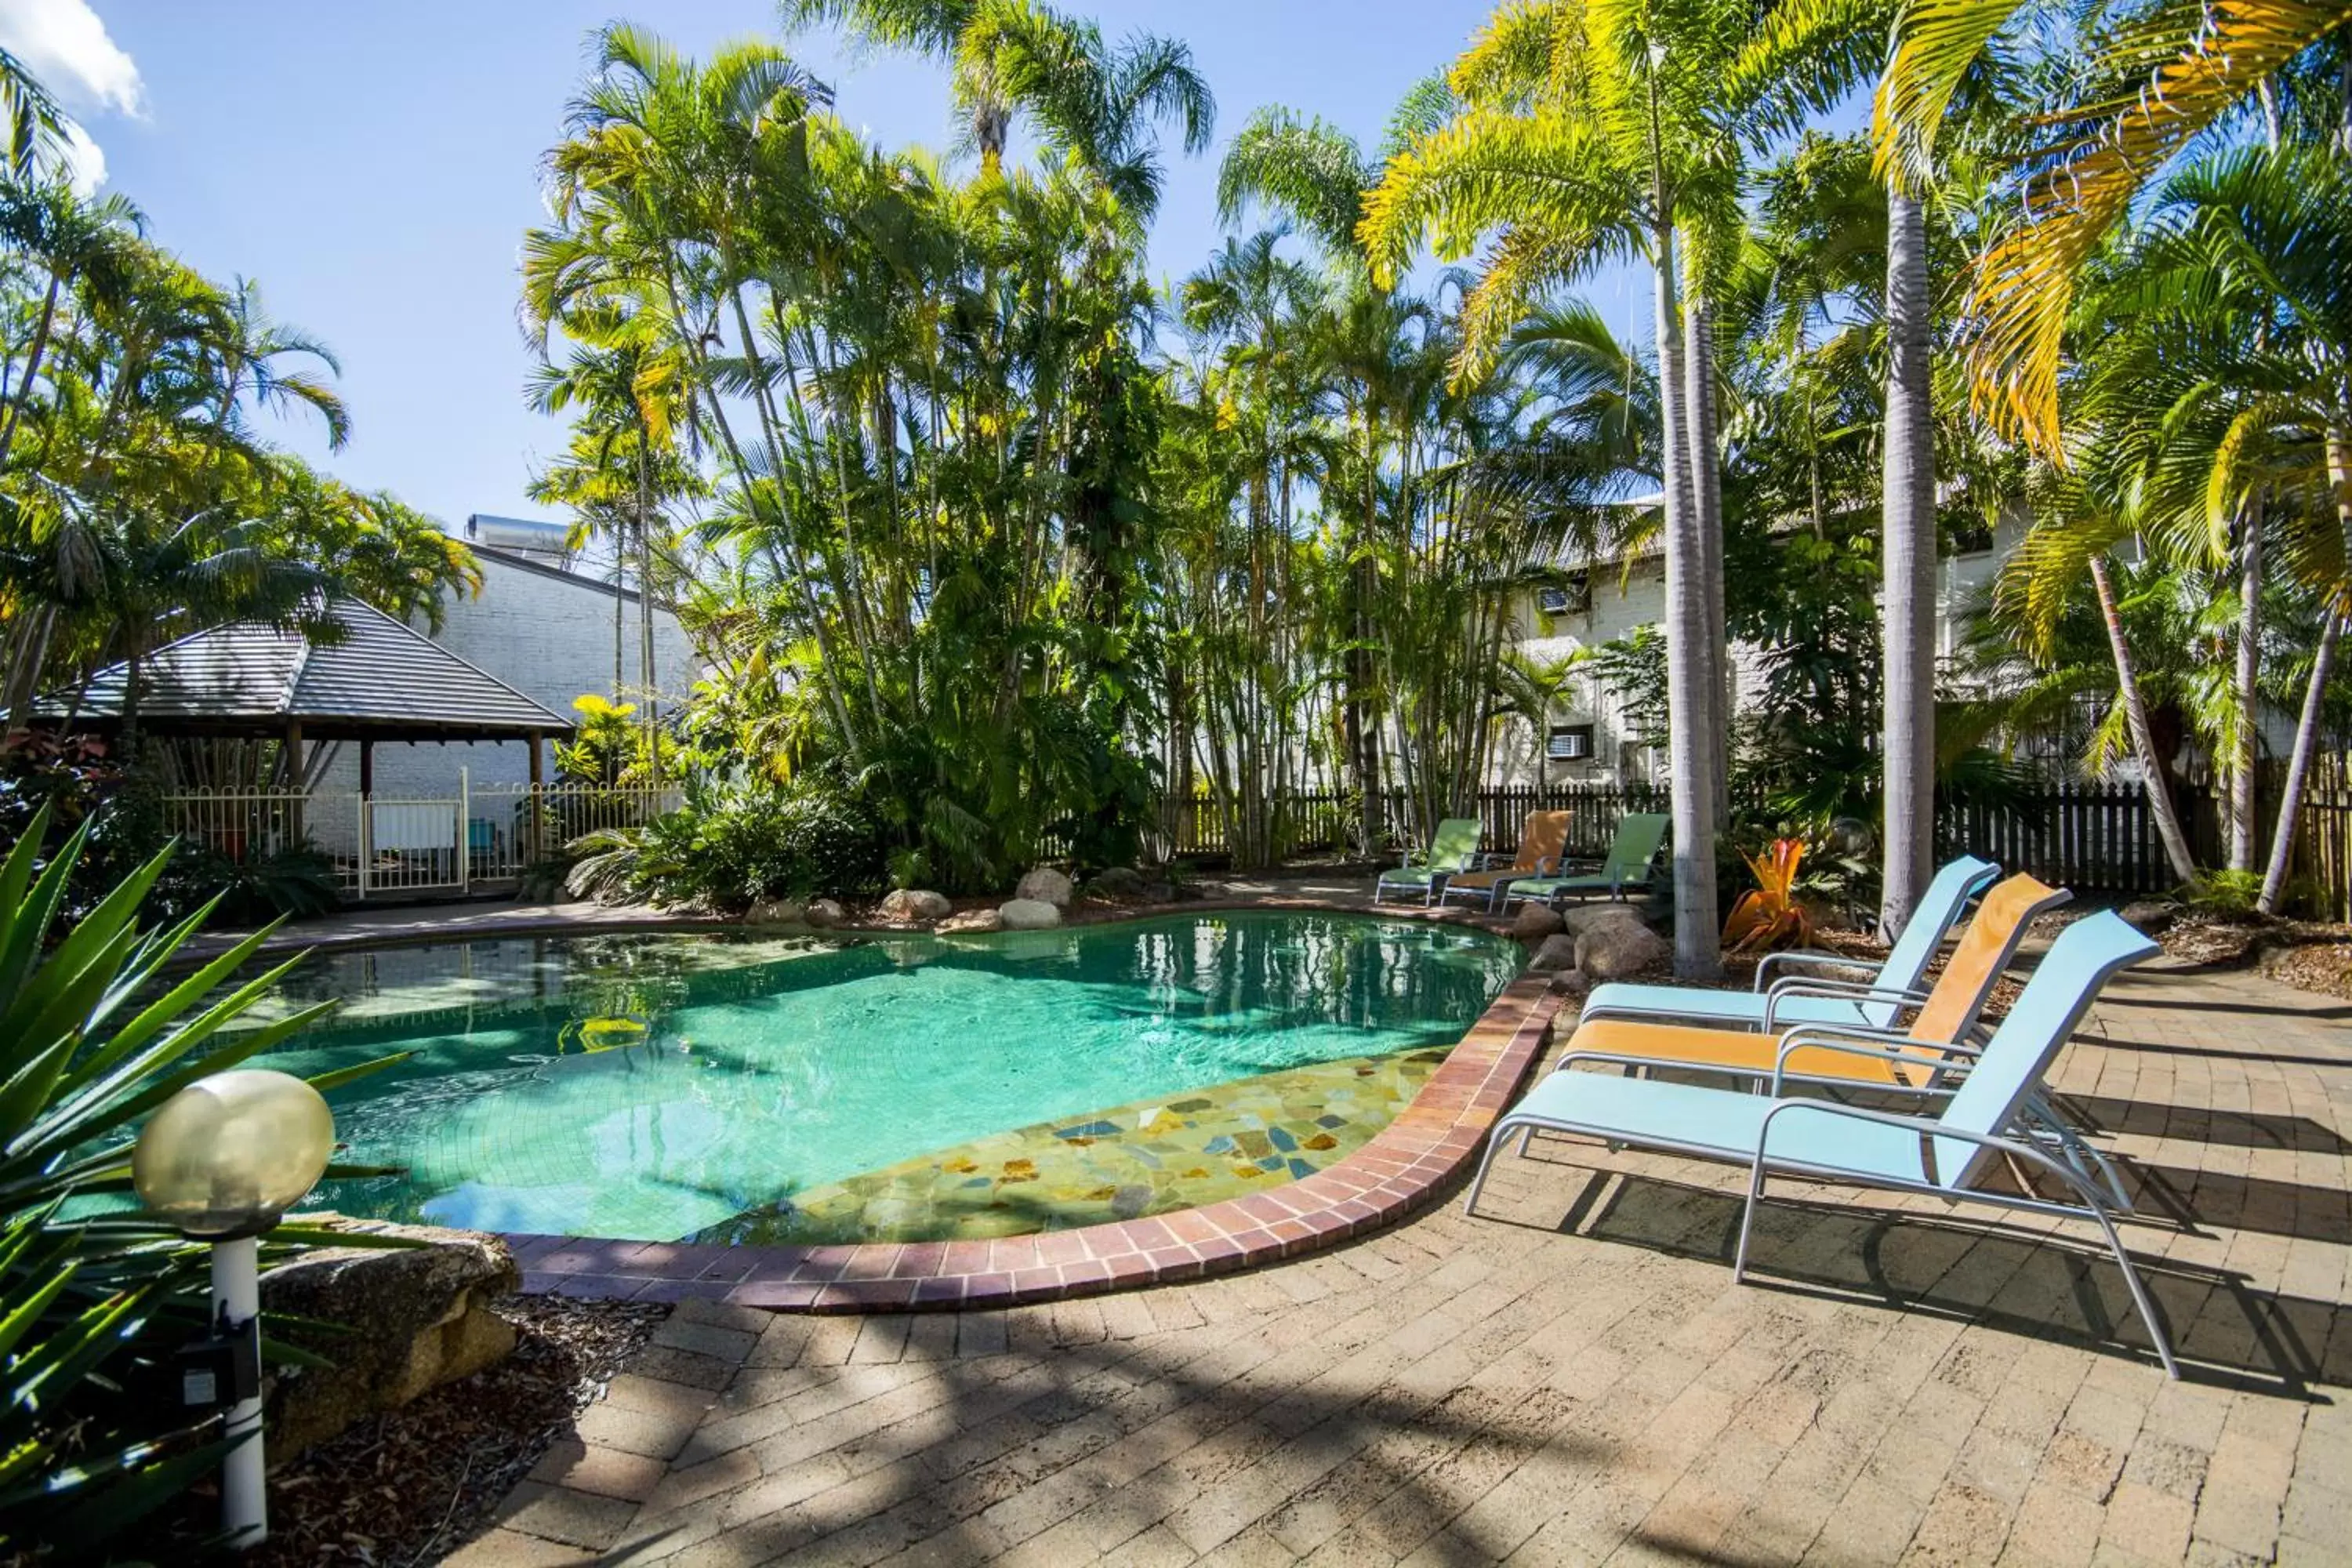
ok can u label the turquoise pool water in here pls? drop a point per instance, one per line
(657, 1085)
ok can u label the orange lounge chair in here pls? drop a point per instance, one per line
(1542, 843)
(1945, 1022)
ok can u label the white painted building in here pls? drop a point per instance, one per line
(1584, 738)
(545, 629)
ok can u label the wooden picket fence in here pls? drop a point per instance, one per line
(2098, 838)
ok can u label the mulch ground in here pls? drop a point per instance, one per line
(399, 1490)
(2306, 955)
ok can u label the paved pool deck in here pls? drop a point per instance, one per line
(1572, 1378)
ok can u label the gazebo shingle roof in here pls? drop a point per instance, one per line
(381, 680)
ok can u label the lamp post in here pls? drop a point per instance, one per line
(221, 1162)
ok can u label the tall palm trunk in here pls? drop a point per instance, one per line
(2246, 691)
(2151, 767)
(1690, 702)
(2322, 661)
(1706, 501)
(1907, 611)
(32, 364)
(646, 607)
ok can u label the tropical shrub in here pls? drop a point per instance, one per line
(730, 846)
(95, 1299)
(1772, 913)
(293, 882)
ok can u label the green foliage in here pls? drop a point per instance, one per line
(95, 1035)
(728, 847)
(609, 748)
(2223, 892)
(292, 883)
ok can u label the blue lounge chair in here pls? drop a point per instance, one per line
(1946, 1155)
(1780, 1000)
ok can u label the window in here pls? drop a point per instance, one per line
(1971, 536)
(1569, 744)
(1574, 599)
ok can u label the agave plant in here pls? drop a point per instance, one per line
(95, 1033)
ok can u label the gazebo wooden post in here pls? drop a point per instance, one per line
(296, 786)
(538, 781)
(367, 769)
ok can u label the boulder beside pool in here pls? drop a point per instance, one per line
(416, 1318)
(1029, 914)
(908, 906)
(1044, 886)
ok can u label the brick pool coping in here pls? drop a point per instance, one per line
(1400, 1170)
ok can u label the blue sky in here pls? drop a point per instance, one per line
(374, 165)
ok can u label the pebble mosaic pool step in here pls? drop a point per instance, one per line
(1150, 1157)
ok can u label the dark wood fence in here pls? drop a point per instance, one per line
(2098, 838)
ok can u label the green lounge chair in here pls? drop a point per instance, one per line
(1627, 868)
(1949, 1155)
(1868, 998)
(1453, 847)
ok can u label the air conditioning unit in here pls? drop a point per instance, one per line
(1569, 744)
(1575, 599)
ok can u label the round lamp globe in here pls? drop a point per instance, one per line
(228, 1156)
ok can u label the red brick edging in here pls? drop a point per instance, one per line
(1397, 1172)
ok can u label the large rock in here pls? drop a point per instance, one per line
(1581, 917)
(972, 922)
(1119, 885)
(1044, 886)
(777, 912)
(1570, 983)
(908, 905)
(1553, 955)
(2152, 916)
(824, 915)
(1536, 921)
(417, 1318)
(1029, 914)
(1618, 950)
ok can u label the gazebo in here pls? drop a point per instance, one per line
(376, 680)
(372, 679)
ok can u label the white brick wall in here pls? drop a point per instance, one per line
(551, 640)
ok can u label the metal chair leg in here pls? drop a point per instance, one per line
(1748, 1222)
(1493, 1140)
(2138, 1293)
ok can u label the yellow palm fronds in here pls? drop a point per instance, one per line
(2024, 286)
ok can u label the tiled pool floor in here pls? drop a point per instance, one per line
(1149, 1157)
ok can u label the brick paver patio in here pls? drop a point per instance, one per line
(1571, 1377)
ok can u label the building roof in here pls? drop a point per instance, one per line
(379, 681)
(504, 557)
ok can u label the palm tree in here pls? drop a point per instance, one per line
(247, 348)
(1583, 133)
(2223, 350)
(75, 244)
(34, 124)
(1091, 101)
(2153, 78)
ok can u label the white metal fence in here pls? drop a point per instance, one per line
(381, 845)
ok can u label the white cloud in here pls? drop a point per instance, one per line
(65, 44)
(85, 163)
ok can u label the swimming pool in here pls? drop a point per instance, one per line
(663, 1085)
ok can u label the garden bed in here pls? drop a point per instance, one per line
(405, 1487)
